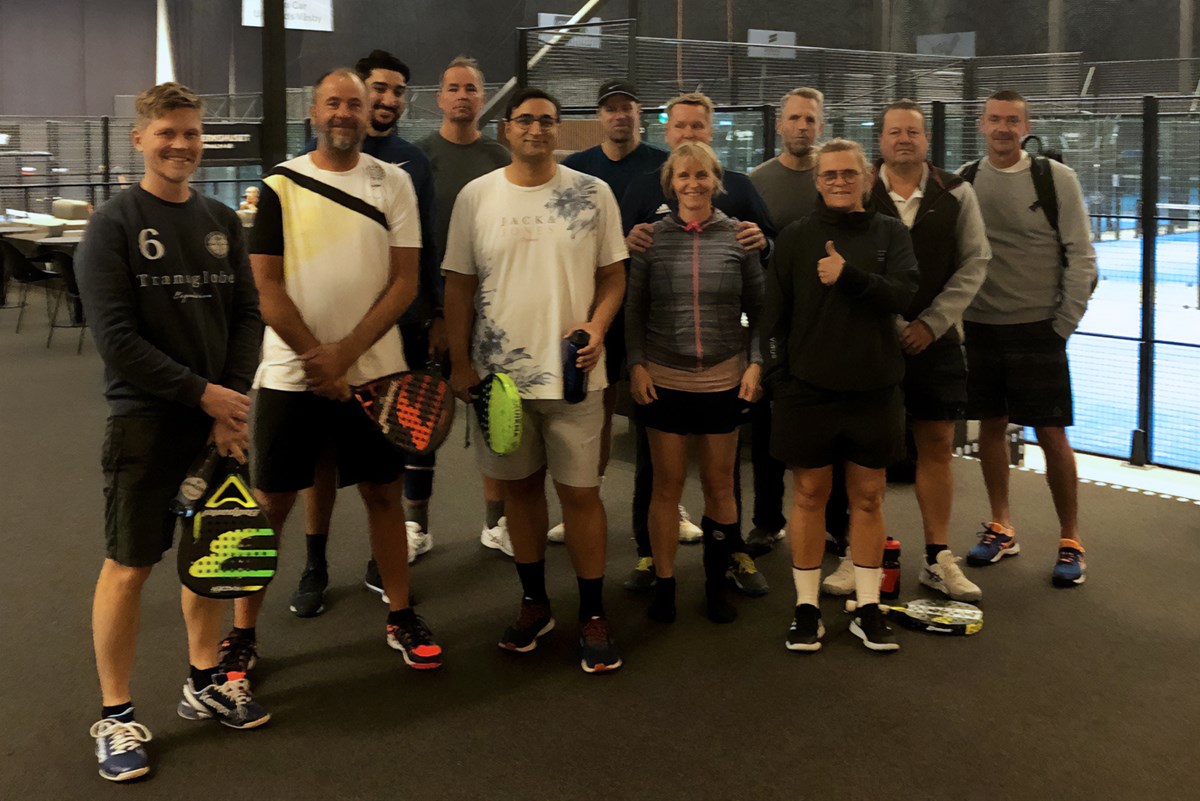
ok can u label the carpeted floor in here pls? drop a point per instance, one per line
(1080, 694)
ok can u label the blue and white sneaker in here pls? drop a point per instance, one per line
(119, 748)
(227, 699)
(1070, 570)
(996, 542)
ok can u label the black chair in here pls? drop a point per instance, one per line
(64, 265)
(19, 268)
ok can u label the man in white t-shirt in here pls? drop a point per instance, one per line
(535, 252)
(336, 246)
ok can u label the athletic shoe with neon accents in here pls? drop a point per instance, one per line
(597, 651)
(996, 542)
(745, 576)
(642, 577)
(414, 641)
(119, 748)
(533, 620)
(1070, 570)
(227, 699)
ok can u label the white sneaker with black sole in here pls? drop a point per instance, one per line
(947, 577)
(870, 626)
(806, 630)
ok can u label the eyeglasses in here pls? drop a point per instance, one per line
(832, 176)
(527, 120)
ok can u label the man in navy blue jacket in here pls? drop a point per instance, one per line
(421, 328)
(689, 119)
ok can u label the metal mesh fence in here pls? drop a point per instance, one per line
(1104, 382)
(1176, 437)
(571, 62)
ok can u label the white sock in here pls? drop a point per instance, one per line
(808, 585)
(866, 584)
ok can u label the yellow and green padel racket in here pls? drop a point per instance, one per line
(497, 404)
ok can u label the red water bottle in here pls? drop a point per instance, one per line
(889, 584)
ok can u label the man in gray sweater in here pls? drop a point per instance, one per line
(1038, 284)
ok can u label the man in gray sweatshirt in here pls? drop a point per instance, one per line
(1038, 284)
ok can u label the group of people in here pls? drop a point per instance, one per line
(824, 301)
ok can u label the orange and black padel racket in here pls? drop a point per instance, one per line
(414, 410)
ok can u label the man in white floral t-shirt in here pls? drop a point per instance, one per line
(535, 252)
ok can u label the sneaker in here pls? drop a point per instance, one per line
(309, 598)
(996, 542)
(840, 581)
(414, 641)
(760, 541)
(419, 541)
(497, 537)
(374, 582)
(557, 534)
(238, 654)
(948, 578)
(533, 621)
(745, 575)
(641, 578)
(689, 532)
(806, 630)
(598, 652)
(119, 748)
(227, 699)
(870, 626)
(1070, 570)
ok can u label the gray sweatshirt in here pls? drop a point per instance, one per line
(1026, 280)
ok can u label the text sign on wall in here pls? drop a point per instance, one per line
(575, 36)
(299, 15)
(228, 144)
(756, 36)
(947, 44)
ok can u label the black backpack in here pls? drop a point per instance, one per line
(1043, 185)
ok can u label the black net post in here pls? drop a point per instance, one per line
(768, 112)
(1142, 447)
(937, 151)
(106, 155)
(522, 65)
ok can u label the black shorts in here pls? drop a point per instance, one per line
(144, 461)
(1020, 372)
(294, 430)
(811, 427)
(935, 382)
(679, 412)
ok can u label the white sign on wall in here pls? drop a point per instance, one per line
(756, 36)
(299, 15)
(947, 44)
(577, 36)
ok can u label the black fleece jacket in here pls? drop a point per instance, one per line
(839, 338)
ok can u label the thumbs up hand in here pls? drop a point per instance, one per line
(829, 269)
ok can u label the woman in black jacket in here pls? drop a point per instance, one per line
(832, 357)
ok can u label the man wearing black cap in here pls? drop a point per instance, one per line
(620, 158)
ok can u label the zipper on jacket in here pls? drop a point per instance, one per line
(696, 296)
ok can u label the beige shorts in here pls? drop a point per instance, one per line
(563, 437)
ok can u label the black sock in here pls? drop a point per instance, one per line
(733, 536)
(591, 598)
(417, 513)
(246, 634)
(123, 711)
(716, 561)
(201, 678)
(662, 608)
(533, 580)
(315, 543)
(493, 511)
(931, 552)
(401, 616)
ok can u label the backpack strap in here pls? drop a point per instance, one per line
(969, 171)
(1043, 184)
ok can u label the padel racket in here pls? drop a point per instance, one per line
(227, 548)
(497, 404)
(414, 410)
(954, 618)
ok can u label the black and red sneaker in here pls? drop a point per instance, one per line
(533, 621)
(413, 639)
(238, 653)
(598, 652)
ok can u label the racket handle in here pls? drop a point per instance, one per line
(195, 484)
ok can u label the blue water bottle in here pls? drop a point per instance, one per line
(574, 378)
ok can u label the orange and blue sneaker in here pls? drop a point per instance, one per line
(413, 639)
(1070, 570)
(996, 542)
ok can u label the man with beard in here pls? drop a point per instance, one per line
(335, 258)
(459, 154)
(421, 327)
(620, 158)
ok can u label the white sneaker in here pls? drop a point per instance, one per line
(840, 581)
(947, 577)
(497, 537)
(419, 541)
(688, 531)
(557, 534)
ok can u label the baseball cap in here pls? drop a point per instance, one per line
(610, 88)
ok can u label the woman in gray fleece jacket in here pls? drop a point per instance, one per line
(693, 367)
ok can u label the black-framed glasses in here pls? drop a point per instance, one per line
(832, 176)
(527, 121)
